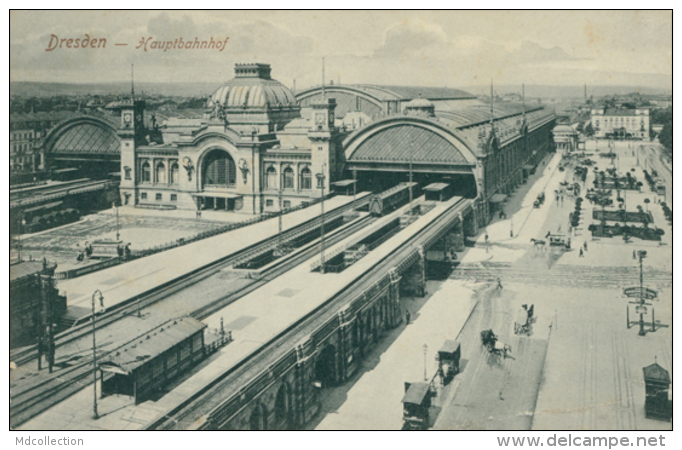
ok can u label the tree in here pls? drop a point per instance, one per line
(665, 137)
(589, 130)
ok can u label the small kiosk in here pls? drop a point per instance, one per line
(658, 404)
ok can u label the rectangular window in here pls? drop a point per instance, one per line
(174, 197)
(143, 196)
(287, 203)
(127, 172)
(269, 202)
(158, 197)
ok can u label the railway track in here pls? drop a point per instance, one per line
(201, 410)
(26, 354)
(45, 392)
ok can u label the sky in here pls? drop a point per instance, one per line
(455, 49)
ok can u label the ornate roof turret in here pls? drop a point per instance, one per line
(420, 107)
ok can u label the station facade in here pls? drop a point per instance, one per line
(261, 148)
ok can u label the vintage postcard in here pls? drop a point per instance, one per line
(341, 220)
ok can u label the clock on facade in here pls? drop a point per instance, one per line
(319, 119)
(127, 118)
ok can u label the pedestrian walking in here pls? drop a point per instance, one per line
(407, 318)
(559, 229)
(499, 283)
(581, 252)
(634, 255)
(585, 245)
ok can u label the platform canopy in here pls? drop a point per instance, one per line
(344, 183)
(436, 187)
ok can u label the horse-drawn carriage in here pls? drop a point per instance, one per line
(539, 200)
(493, 345)
(448, 360)
(416, 404)
(524, 318)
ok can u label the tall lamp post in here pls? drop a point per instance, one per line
(320, 181)
(281, 213)
(641, 254)
(355, 186)
(118, 233)
(426, 348)
(99, 295)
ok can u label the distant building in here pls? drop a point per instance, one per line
(662, 102)
(27, 132)
(565, 138)
(617, 123)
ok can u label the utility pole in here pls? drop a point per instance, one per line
(94, 350)
(355, 186)
(320, 179)
(641, 254)
(118, 231)
(281, 213)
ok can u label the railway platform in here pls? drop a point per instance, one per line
(253, 320)
(123, 282)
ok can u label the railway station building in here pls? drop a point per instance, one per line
(261, 147)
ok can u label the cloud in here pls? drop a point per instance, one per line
(410, 37)
(531, 52)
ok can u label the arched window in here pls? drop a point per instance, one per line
(146, 172)
(174, 173)
(271, 178)
(160, 175)
(288, 178)
(219, 169)
(306, 178)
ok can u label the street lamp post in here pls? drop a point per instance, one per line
(426, 348)
(94, 350)
(355, 186)
(118, 233)
(641, 254)
(320, 181)
(281, 213)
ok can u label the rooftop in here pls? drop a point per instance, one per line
(155, 342)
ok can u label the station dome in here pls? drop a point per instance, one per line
(252, 87)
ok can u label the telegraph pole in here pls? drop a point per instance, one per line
(94, 350)
(641, 254)
(320, 179)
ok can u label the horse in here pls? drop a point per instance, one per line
(501, 348)
(538, 243)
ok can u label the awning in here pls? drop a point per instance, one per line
(497, 198)
(217, 194)
(436, 187)
(344, 183)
